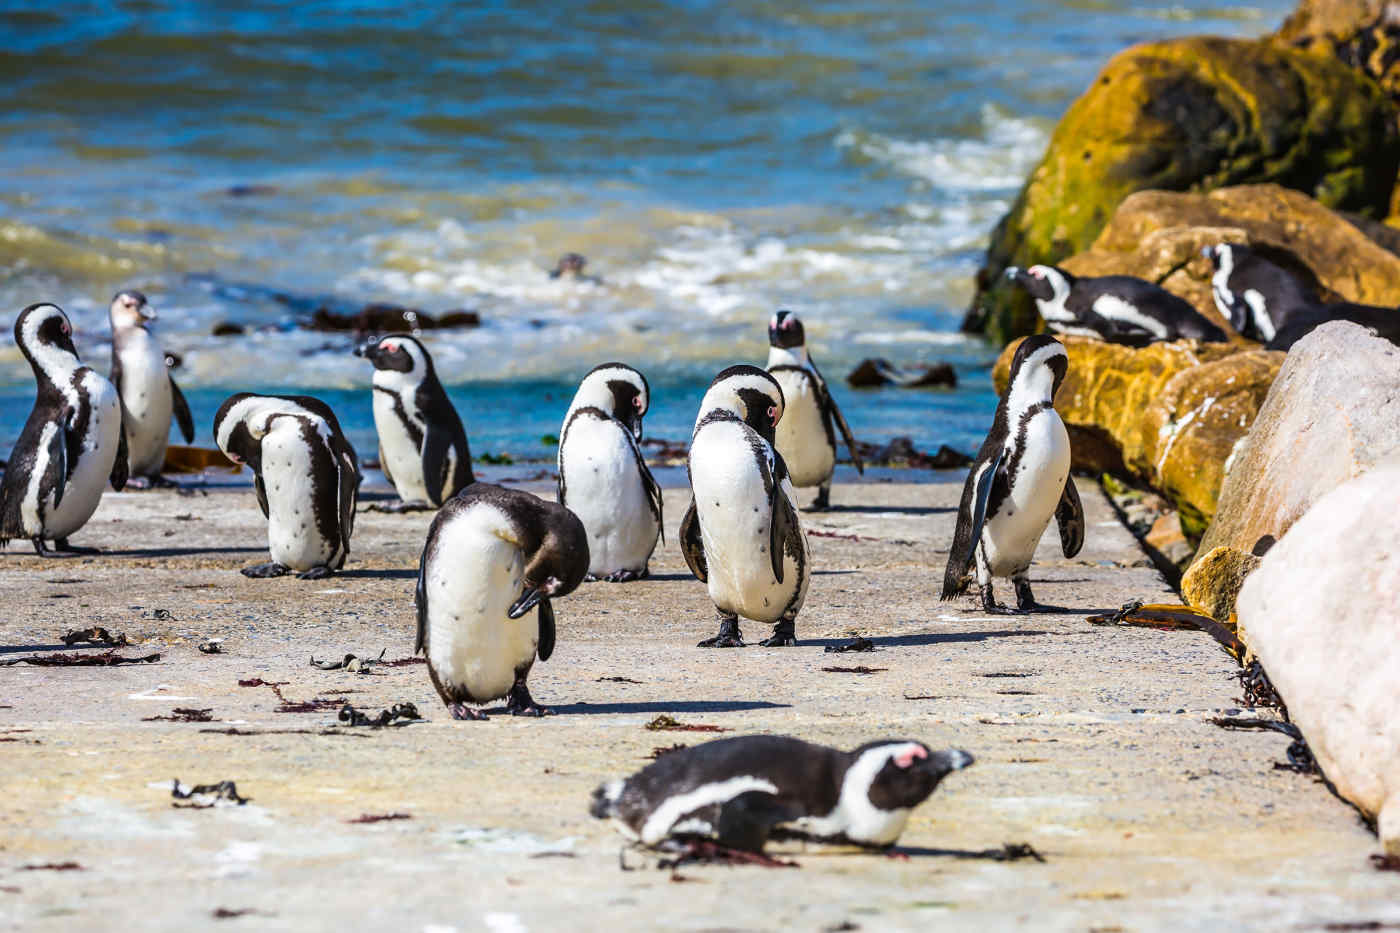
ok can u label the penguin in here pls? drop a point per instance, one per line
(741, 534)
(1018, 481)
(1115, 308)
(71, 446)
(570, 268)
(603, 477)
(805, 437)
(422, 444)
(493, 561)
(741, 792)
(149, 394)
(1268, 303)
(305, 475)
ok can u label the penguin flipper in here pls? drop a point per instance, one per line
(56, 475)
(782, 521)
(649, 484)
(545, 647)
(745, 822)
(420, 599)
(829, 404)
(384, 466)
(972, 515)
(693, 545)
(121, 466)
(182, 412)
(348, 476)
(261, 491)
(1069, 515)
(436, 443)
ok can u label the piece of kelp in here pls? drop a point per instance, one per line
(400, 714)
(105, 659)
(1168, 617)
(664, 723)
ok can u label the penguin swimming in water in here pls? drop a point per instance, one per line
(603, 477)
(1268, 303)
(742, 791)
(1019, 480)
(493, 560)
(305, 476)
(805, 437)
(741, 535)
(422, 445)
(148, 391)
(1115, 308)
(71, 445)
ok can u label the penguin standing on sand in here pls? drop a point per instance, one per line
(603, 477)
(742, 791)
(1019, 479)
(71, 445)
(805, 437)
(422, 444)
(1116, 308)
(741, 535)
(493, 560)
(148, 391)
(304, 475)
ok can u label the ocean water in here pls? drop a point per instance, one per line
(248, 162)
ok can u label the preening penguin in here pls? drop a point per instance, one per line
(493, 560)
(741, 792)
(70, 446)
(1019, 479)
(305, 475)
(741, 535)
(603, 477)
(149, 395)
(1116, 308)
(805, 436)
(422, 444)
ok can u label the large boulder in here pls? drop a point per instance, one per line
(1191, 114)
(1322, 614)
(1332, 414)
(1167, 415)
(1158, 235)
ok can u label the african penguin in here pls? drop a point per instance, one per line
(1268, 303)
(148, 391)
(422, 444)
(71, 445)
(603, 477)
(741, 534)
(1019, 479)
(305, 475)
(1116, 308)
(493, 560)
(805, 437)
(740, 792)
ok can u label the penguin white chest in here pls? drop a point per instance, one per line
(1037, 480)
(603, 486)
(801, 433)
(294, 536)
(88, 475)
(402, 455)
(472, 577)
(146, 399)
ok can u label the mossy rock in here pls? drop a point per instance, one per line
(1192, 114)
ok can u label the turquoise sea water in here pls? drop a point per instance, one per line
(246, 162)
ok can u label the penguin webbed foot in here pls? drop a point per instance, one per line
(62, 545)
(399, 506)
(139, 483)
(266, 571)
(1025, 601)
(729, 635)
(625, 576)
(823, 500)
(464, 712)
(990, 604)
(520, 703)
(316, 573)
(784, 636)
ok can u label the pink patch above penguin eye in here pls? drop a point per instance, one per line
(390, 345)
(1038, 272)
(907, 757)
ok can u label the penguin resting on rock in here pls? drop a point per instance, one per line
(493, 560)
(1018, 481)
(71, 445)
(805, 437)
(603, 477)
(305, 476)
(740, 792)
(741, 535)
(1115, 308)
(422, 445)
(148, 391)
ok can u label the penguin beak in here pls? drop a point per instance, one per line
(527, 601)
(1012, 272)
(947, 761)
(367, 350)
(147, 312)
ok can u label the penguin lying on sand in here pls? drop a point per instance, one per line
(493, 560)
(740, 792)
(603, 477)
(1116, 308)
(1019, 479)
(1268, 303)
(422, 445)
(148, 391)
(741, 534)
(305, 476)
(805, 437)
(70, 446)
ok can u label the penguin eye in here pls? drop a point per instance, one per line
(1037, 272)
(67, 331)
(773, 413)
(637, 402)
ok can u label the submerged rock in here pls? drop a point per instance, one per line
(1320, 614)
(874, 372)
(388, 318)
(901, 452)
